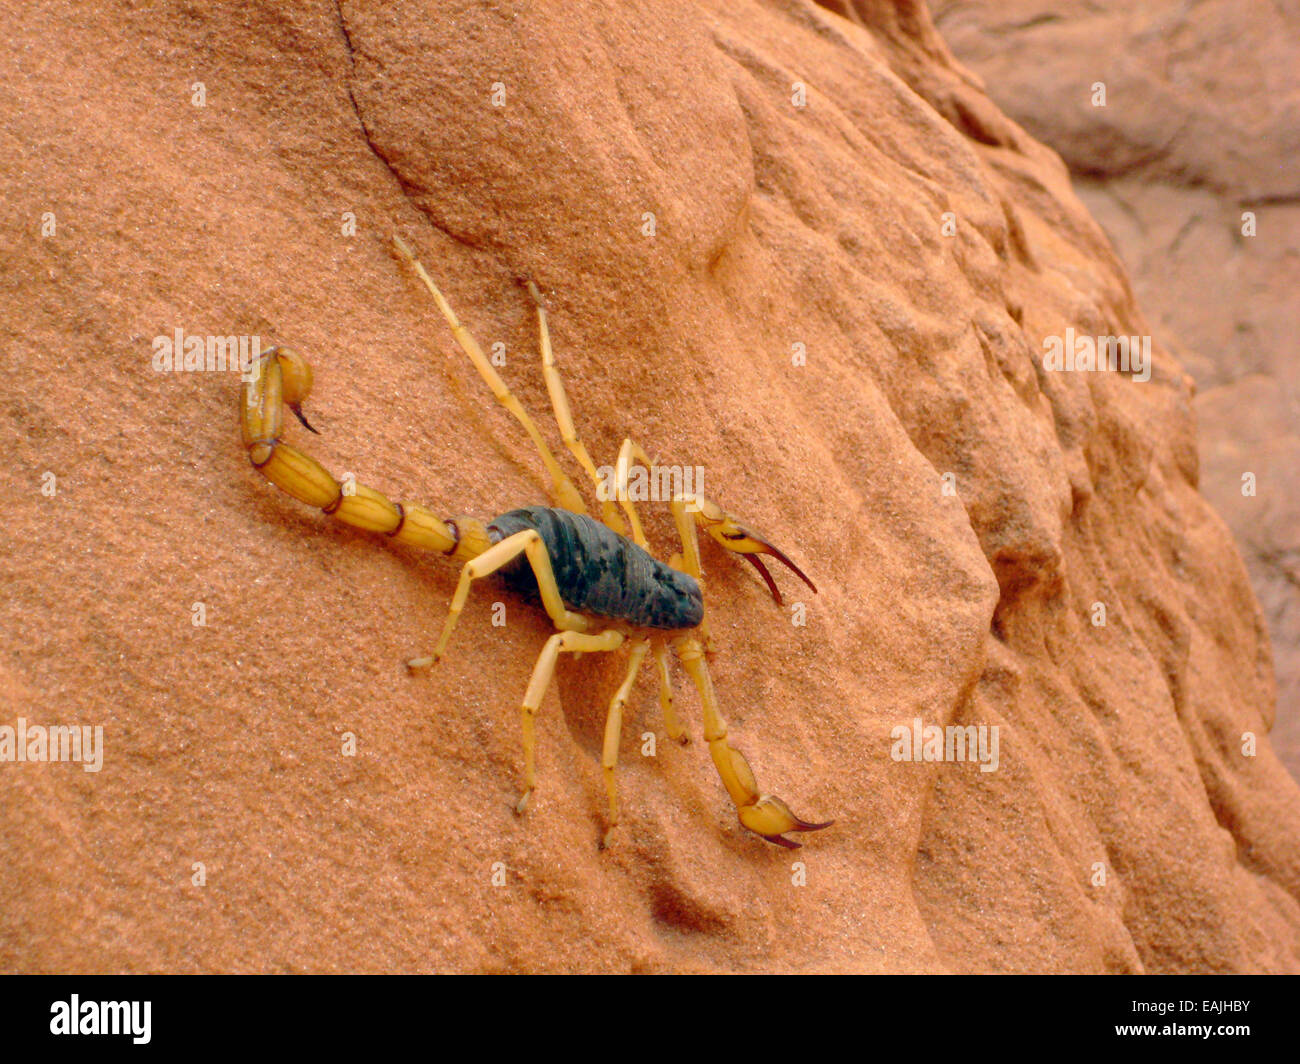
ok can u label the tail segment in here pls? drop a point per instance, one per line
(283, 377)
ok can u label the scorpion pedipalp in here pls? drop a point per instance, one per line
(765, 815)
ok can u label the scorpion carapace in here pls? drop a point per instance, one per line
(600, 572)
(596, 579)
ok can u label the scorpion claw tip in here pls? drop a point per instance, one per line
(749, 544)
(770, 818)
(767, 577)
(802, 825)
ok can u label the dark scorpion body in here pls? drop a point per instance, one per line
(600, 572)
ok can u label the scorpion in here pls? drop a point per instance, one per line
(596, 579)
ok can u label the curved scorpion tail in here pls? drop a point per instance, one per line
(764, 814)
(281, 377)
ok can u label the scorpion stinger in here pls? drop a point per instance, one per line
(297, 412)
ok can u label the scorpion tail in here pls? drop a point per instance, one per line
(281, 377)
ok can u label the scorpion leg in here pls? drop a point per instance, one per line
(764, 814)
(562, 487)
(631, 452)
(541, 680)
(614, 730)
(564, 416)
(675, 730)
(529, 543)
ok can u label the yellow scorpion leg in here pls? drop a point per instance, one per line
(675, 730)
(564, 416)
(562, 489)
(281, 376)
(690, 558)
(689, 562)
(578, 642)
(628, 454)
(764, 814)
(529, 543)
(614, 730)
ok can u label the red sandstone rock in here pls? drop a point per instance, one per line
(1193, 169)
(776, 225)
